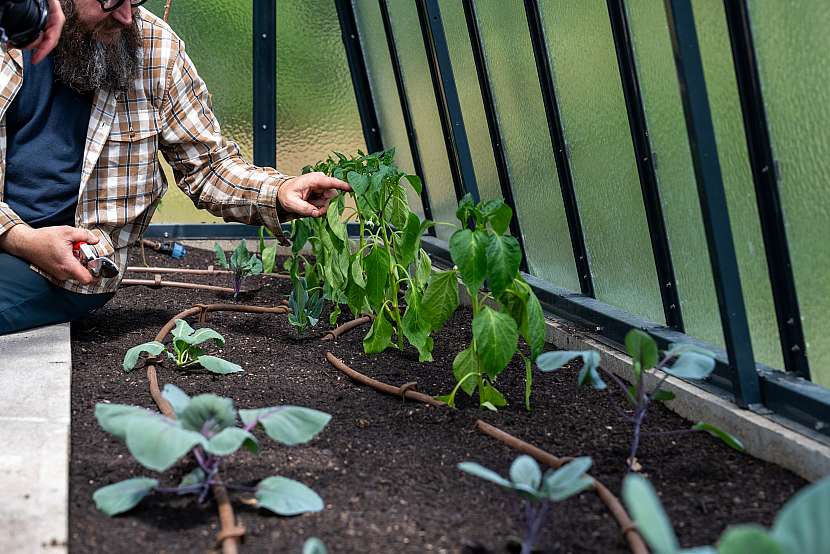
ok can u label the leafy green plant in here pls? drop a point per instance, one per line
(688, 362)
(207, 426)
(537, 492)
(241, 264)
(267, 252)
(800, 527)
(483, 253)
(187, 351)
(305, 308)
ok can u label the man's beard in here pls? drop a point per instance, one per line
(86, 64)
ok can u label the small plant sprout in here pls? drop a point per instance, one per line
(799, 528)
(314, 546)
(687, 362)
(241, 263)
(187, 351)
(207, 426)
(538, 492)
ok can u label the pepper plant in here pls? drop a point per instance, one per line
(206, 425)
(483, 253)
(267, 252)
(688, 362)
(536, 491)
(187, 351)
(799, 528)
(241, 263)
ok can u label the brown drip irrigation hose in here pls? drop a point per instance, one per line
(629, 529)
(210, 270)
(346, 327)
(158, 283)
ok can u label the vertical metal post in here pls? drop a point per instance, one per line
(560, 147)
(492, 122)
(265, 82)
(645, 163)
(360, 78)
(409, 125)
(449, 107)
(744, 376)
(765, 177)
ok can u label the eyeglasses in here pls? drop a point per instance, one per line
(112, 5)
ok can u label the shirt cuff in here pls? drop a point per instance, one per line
(104, 246)
(271, 211)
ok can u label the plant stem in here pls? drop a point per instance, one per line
(639, 415)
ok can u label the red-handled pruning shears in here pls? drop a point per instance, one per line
(99, 266)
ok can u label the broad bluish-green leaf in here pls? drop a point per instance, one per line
(269, 259)
(287, 497)
(647, 512)
(730, 440)
(288, 425)
(487, 474)
(153, 348)
(503, 258)
(676, 349)
(662, 395)
(415, 181)
(468, 249)
(379, 337)
(377, 275)
(120, 497)
(254, 266)
(498, 214)
(552, 361)
(410, 240)
(182, 329)
(216, 411)
(203, 335)
(113, 418)
(176, 396)
(488, 394)
(748, 539)
(568, 480)
(465, 362)
(525, 471)
(158, 442)
(195, 477)
(496, 335)
(588, 374)
(228, 440)
(802, 524)
(642, 349)
(240, 255)
(218, 365)
(692, 365)
(440, 298)
(221, 259)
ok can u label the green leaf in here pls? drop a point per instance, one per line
(553, 361)
(228, 441)
(532, 327)
(379, 337)
(482, 472)
(288, 425)
(730, 440)
(269, 259)
(498, 214)
(440, 299)
(642, 349)
(496, 336)
(286, 497)
(182, 330)
(469, 252)
(416, 330)
(662, 395)
(465, 363)
(176, 396)
(218, 365)
(801, 525)
(528, 381)
(153, 348)
(568, 480)
(525, 471)
(588, 374)
(195, 477)
(410, 241)
(240, 255)
(210, 409)
(692, 365)
(423, 268)
(397, 209)
(503, 258)
(221, 259)
(647, 512)
(377, 275)
(120, 497)
(113, 418)
(415, 182)
(203, 335)
(749, 539)
(466, 206)
(158, 442)
(488, 394)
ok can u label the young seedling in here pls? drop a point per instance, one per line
(688, 362)
(799, 528)
(483, 253)
(187, 351)
(206, 425)
(267, 253)
(314, 546)
(241, 263)
(537, 492)
(305, 308)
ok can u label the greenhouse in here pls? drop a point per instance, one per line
(451, 276)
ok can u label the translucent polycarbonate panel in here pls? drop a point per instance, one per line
(737, 179)
(675, 172)
(602, 156)
(316, 108)
(384, 91)
(792, 42)
(469, 96)
(416, 76)
(521, 117)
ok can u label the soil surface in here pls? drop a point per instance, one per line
(385, 468)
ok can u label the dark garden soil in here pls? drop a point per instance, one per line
(385, 469)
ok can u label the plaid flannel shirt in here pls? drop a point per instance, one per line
(166, 109)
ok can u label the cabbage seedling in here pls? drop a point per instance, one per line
(538, 492)
(207, 426)
(688, 362)
(186, 350)
(241, 263)
(305, 308)
(799, 528)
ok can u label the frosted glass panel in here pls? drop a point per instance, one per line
(737, 179)
(422, 102)
(792, 42)
(602, 156)
(521, 116)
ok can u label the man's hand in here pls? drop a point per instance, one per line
(48, 39)
(50, 249)
(310, 194)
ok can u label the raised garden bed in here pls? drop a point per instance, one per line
(385, 468)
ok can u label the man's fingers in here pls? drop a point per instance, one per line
(77, 271)
(82, 235)
(301, 207)
(324, 183)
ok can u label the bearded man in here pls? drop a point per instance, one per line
(79, 137)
